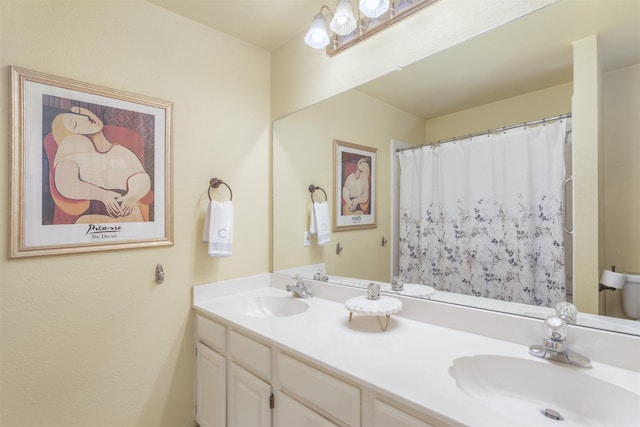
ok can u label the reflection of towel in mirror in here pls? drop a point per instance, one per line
(218, 228)
(319, 223)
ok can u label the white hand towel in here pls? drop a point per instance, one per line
(320, 222)
(312, 221)
(218, 228)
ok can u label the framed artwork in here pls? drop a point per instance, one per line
(91, 167)
(354, 173)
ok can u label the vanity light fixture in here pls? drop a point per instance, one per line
(351, 25)
(318, 37)
(374, 8)
(343, 22)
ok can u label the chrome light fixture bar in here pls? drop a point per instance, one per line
(348, 28)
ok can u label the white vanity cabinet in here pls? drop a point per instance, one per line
(290, 412)
(325, 371)
(387, 414)
(310, 397)
(233, 375)
(317, 390)
(241, 381)
(249, 399)
(211, 373)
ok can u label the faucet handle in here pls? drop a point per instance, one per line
(554, 347)
(567, 312)
(556, 328)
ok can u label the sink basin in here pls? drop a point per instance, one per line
(533, 392)
(272, 306)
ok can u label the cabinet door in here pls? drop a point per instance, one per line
(211, 387)
(308, 384)
(385, 415)
(249, 399)
(291, 413)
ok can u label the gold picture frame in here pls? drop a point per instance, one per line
(355, 172)
(91, 167)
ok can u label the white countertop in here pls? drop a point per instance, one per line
(409, 362)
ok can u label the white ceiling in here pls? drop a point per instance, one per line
(528, 54)
(264, 23)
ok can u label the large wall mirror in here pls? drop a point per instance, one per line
(520, 72)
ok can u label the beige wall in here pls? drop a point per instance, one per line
(303, 150)
(587, 173)
(536, 105)
(621, 176)
(90, 339)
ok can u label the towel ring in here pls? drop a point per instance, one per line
(313, 188)
(215, 183)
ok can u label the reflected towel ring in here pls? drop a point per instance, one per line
(215, 183)
(313, 188)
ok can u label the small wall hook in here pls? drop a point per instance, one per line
(383, 242)
(159, 274)
(338, 249)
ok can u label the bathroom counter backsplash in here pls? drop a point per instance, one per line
(412, 358)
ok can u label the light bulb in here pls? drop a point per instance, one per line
(373, 8)
(372, 4)
(317, 36)
(343, 21)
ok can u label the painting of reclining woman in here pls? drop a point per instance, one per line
(90, 167)
(355, 170)
(98, 163)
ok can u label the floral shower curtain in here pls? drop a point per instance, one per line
(483, 216)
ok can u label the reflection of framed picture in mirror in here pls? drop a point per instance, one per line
(354, 175)
(91, 167)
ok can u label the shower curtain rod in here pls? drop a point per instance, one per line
(487, 132)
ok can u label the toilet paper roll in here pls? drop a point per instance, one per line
(613, 279)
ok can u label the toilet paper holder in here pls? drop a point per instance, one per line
(607, 277)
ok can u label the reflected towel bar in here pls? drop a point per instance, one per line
(313, 188)
(215, 183)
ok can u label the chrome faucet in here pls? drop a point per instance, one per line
(298, 287)
(321, 276)
(555, 347)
